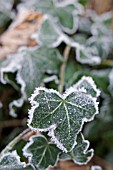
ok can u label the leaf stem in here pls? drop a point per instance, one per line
(15, 141)
(63, 66)
(107, 63)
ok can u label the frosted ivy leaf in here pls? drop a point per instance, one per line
(41, 153)
(64, 12)
(84, 25)
(11, 161)
(103, 43)
(87, 55)
(80, 153)
(102, 24)
(30, 65)
(62, 115)
(88, 84)
(49, 34)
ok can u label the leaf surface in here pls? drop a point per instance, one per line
(31, 66)
(88, 84)
(80, 153)
(63, 12)
(87, 55)
(62, 115)
(49, 34)
(11, 161)
(41, 153)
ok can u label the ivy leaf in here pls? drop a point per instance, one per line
(80, 153)
(48, 28)
(88, 84)
(103, 44)
(41, 153)
(84, 25)
(87, 55)
(30, 65)
(62, 115)
(64, 12)
(11, 161)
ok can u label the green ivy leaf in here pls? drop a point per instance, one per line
(80, 153)
(88, 84)
(11, 161)
(41, 153)
(87, 55)
(64, 12)
(30, 65)
(62, 115)
(49, 34)
(103, 44)
(84, 25)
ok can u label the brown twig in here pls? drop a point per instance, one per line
(63, 66)
(107, 63)
(24, 135)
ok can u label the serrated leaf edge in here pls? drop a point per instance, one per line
(29, 155)
(11, 68)
(85, 152)
(51, 128)
(91, 82)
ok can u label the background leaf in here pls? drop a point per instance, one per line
(41, 153)
(30, 64)
(11, 161)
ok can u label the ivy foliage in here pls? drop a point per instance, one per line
(11, 161)
(45, 153)
(27, 64)
(80, 153)
(64, 12)
(60, 117)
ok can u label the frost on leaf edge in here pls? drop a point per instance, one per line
(51, 128)
(11, 68)
(15, 155)
(95, 60)
(60, 39)
(30, 155)
(85, 152)
(91, 82)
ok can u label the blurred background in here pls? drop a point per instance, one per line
(17, 23)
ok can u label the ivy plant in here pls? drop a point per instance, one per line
(59, 79)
